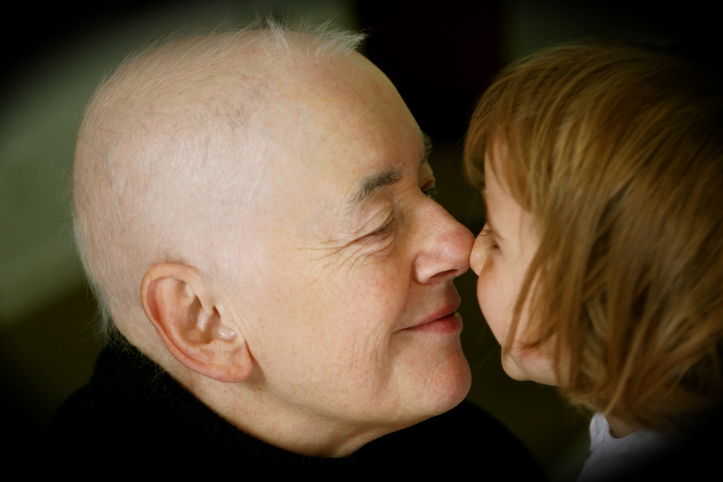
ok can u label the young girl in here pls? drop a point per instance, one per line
(601, 264)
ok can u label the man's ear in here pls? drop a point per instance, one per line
(183, 311)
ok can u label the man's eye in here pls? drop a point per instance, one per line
(385, 230)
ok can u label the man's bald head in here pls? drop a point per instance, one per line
(167, 138)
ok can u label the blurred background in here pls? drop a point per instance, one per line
(440, 55)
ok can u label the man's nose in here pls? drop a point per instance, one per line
(445, 249)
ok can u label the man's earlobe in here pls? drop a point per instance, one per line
(182, 309)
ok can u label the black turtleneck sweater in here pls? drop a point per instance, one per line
(133, 418)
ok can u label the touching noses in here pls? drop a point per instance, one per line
(445, 249)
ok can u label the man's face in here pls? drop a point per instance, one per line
(350, 312)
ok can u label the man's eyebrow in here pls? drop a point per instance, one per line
(388, 177)
(374, 182)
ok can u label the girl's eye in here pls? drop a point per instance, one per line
(430, 190)
(488, 238)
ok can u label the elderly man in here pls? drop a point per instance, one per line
(253, 209)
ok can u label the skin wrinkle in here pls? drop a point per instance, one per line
(349, 228)
(374, 222)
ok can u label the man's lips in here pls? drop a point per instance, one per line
(451, 323)
(442, 319)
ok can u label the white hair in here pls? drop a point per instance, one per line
(108, 201)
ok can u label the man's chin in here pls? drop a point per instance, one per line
(447, 390)
(456, 393)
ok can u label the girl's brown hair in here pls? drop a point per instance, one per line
(617, 153)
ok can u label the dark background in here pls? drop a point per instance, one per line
(440, 55)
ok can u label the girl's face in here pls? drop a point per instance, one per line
(500, 257)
